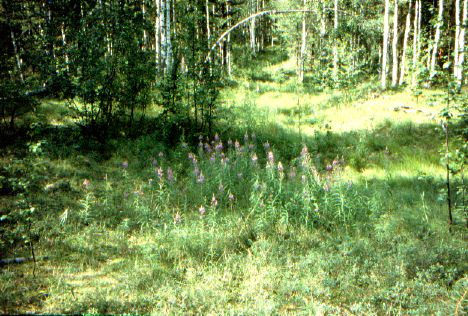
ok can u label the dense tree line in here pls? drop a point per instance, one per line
(113, 58)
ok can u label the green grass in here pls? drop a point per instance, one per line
(366, 236)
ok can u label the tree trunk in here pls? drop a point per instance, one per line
(416, 41)
(437, 38)
(303, 46)
(64, 43)
(208, 31)
(335, 46)
(405, 44)
(461, 45)
(253, 40)
(168, 37)
(386, 30)
(145, 35)
(395, 46)
(157, 34)
(456, 51)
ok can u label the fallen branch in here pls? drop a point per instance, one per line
(254, 16)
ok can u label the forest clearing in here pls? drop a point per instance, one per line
(233, 157)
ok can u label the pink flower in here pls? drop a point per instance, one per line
(214, 201)
(237, 145)
(280, 167)
(170, 174)
(202, 210)
(201, 178)
(254, 158)
(159, 172)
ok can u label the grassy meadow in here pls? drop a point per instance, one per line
(303, 201)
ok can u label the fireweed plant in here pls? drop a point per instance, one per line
(242, 176)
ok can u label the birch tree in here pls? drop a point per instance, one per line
(395, 46)
(416, 40)
(303, 45)
(461, 45)
(435, 49)
(386, 31)
(335, 46)
(405, 44)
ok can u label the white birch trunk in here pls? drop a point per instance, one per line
(335, 46)
(145, 35)
(405, 44)
(168, 37)
(437, 38)
(386, 31)
(64, 43)
(303, 46)
(395, 46)
(461, 45)
(416, 41)
(208, 30)
(456, 51)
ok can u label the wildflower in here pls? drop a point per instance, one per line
(221, 188)
(251, 147)
(86, 184)
(254, 158)
(207, 148)
(150, 181)
(170, 174)
(219, 147)
(216, 137)
(246, 138)
(196, 171)
(237, 145)
(124, 164)
(161, 154)
(214, 201)
(280, 169)
(326, 187)
(329, 168)
(231, 197)
(177, 218)
(202, 210)
(184, 145)
(271, 159)
(230, 143)
(212, 158)
(154, 163)
(266, 146)
(200, 138)
(335, 163)
(254, 138)
(192, 158)
(200, 145)
(138, 193)
(303, 178)
(201, 178)
(159, 172)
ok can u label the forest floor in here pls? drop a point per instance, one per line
(356, 223)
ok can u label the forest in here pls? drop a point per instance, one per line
(245, 157)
